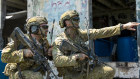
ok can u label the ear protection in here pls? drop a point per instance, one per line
(34, 29)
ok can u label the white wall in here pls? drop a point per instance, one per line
(53, 9)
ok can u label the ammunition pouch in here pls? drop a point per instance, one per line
(9, 68)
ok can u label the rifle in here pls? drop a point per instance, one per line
(77, 48)
(39, 58)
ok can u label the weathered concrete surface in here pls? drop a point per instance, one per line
(53, 9)
(131, 70)
(138, 20)
(1, 40)
(2, 19)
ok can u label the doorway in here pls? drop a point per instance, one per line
(16, 14)
(108, 13)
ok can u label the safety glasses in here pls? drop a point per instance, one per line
(44, 26)
(75, 18)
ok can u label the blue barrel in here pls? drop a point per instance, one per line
(2, 66)
(127, 49)
(103, 48)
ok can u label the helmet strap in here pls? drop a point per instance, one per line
(72, 23)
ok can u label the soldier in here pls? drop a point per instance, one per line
(37, 29)
(70, 63)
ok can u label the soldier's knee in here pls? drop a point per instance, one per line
(27, 74)
(109, 70)
(112, 72)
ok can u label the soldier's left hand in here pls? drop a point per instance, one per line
(27, 53)
(130, 25)
(81, 56)
(50, 51)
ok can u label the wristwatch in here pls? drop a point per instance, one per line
(121, 27)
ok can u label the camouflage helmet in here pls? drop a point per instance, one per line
(37, 20)
(66, 16)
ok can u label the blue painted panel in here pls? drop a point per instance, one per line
(2, 66)
(127, 49)
(103, 48)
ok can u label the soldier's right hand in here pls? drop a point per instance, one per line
(27, 53)
(130, 25)
(81, 56)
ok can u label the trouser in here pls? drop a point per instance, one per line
(99, 72)
(27, 74)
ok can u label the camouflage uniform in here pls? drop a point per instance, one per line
(12, 56)
(65, 60)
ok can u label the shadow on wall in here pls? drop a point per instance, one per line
(9, 26)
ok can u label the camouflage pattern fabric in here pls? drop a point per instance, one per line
(67, 15)
(67, 64)
(27, 74)
(37, 20)
(99, 72)
(11, 56)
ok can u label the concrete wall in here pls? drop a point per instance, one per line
(2, 19)
(138, 20)
(138, 30)
(53, 9)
